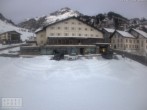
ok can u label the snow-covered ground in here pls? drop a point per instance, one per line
(10, 51)
(10, 45)
(86, 84)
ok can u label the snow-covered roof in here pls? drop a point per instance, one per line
(141, 32)
(42, 28)
(109, 30)
(39, 29)
(2, 32)
(52, 22)
(125, 34)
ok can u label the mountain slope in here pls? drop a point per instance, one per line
(35, 23)
(5, 19)
(106, 20)
(111, 19)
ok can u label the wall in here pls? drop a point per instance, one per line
(41, 38)
(74, 28)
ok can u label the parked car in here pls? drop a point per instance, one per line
(58, 56)
(73, 56)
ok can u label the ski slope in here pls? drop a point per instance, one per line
(85, 84)
(4, 27)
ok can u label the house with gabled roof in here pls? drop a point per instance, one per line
(9, 37)
(123, 41)
(107, 33)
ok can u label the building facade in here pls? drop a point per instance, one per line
(10, 37)
(123, 41)
(141, 37)
(71, 34)
(69, 31)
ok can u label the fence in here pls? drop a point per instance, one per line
(140, 59)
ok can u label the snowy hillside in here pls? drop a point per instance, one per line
(61, 14)
(86, 84)
(35, 23)
(4, 26)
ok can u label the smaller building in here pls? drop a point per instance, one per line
(10, 37)
(107, 32)
(31, 41)
(124, 41)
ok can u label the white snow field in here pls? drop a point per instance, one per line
(86, 84)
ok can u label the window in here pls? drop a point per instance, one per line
(72, 28)
(146, 41)
(137, 41)
(91, 29)
(79, 28)
(59, 41)
(73, 23)
(97, 36)
(52, 34)
(113, 41)
(66, 34)
(91, 35)
(66, 22)
(142, 43)
(130, 41)
(66, 28)
(58, 34)
(52, 28)
(127, 40)
(85, 34)
(79, 23)
(85, 29)
(70, 41)
(121, 40)
(58, 28)
(79, 34)
(41, 42)
(41, 35)
(73, 34)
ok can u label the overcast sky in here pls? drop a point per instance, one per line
(18, 10)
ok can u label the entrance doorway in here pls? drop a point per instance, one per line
(82, 51)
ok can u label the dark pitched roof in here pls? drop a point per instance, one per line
(10, 32)
(42, 28)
